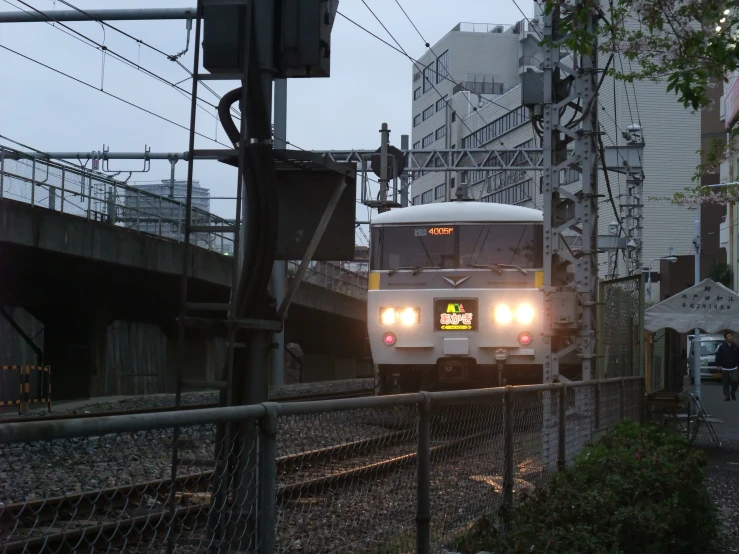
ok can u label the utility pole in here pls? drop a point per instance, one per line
(384, 143)
(697, 332)
(569, 307)
(404, 143)
(279, 270)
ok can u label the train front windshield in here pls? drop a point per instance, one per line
(457, 246)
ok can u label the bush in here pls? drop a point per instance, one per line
(640, 489)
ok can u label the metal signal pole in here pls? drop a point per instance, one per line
(570, 306)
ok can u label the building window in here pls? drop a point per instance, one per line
(416, 120)
(452, 182)
(517, 194)
(439, 192)
(417, 145)
(440, 132)
(427, 197)
(454, 116)
(427, 72)
(427, 140)
(441, 102)
(442, 66)
(415, 201)
(417, 93)
(511, 120)
(428, 112)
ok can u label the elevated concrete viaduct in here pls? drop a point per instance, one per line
(107, 298)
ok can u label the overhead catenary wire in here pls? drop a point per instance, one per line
(446, 69)
(412, 59)
(105, 50)
(128, 102)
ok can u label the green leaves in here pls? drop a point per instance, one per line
(691, 43)
(639, 489)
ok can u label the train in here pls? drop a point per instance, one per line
(454, 297)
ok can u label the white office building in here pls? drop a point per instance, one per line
(492, 116)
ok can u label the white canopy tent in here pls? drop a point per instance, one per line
(708, 306)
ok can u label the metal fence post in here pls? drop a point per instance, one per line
(33, 181)
(64, 173)
(622, 399)
(562, 457)
(89, 198)
(508, 449)
(423, 509)
(597, 404)
(138, 212)
(267, 526)
(2, 172)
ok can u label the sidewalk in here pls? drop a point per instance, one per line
(723, 463)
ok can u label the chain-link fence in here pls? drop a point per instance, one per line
(400, 473)
(621, 327)
(656, 361)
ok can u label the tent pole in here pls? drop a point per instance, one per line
(697, 338)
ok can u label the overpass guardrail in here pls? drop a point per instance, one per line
(90, 194)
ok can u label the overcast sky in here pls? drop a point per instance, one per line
(370, 83)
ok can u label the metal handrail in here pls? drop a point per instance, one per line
(99, 197)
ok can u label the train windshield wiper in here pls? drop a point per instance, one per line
(415, 270)
(498, 268)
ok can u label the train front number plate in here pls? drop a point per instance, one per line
(456, 314)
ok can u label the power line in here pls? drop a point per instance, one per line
(170, 57)
(415, 63)
(414, 60)
(527, 19)
(81, 37)
(128, 102)
(446, 69)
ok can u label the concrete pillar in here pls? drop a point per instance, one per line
(205, 360)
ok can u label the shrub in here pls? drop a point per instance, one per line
(640, 489)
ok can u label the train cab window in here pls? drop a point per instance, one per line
(457, 246)
(512, 244)
(414, 246)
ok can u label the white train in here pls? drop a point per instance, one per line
(454, 299)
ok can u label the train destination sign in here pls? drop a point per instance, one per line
(433, 231)
(456, 314)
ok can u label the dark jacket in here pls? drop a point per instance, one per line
(727, 355)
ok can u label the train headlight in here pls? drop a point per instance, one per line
(388, 316)
(409, 316)
(404, 316)
(525, 314)
(503, 314)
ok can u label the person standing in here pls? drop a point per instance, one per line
(727, 360)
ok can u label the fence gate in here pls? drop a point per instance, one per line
(621, 327)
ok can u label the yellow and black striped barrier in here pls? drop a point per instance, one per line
(22, 385)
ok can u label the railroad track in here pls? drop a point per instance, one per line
(124, 509)
(297, 398)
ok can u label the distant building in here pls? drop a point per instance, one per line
(160, 210)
